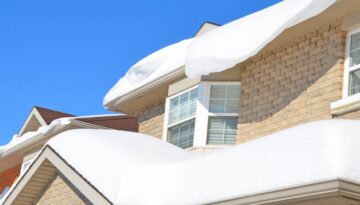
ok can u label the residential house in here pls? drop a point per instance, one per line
(255, 80)
(20, 152)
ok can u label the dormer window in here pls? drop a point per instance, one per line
(206, 114)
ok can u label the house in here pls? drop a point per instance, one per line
(282, 84)
(305, 73)
(20, 152)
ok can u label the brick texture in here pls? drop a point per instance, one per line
(355, 115)
(8, 177)
(59, 192)
(151, 121)
(292, 85)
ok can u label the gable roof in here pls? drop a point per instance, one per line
(49, 115)
(314, 161)
(117, 122)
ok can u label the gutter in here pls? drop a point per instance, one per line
(146, 88)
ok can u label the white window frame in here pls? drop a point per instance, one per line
(348, 69)
(202, 113)
(166, 126)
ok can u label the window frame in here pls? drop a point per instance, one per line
(202, 114)
(166, 125)
(347, 68)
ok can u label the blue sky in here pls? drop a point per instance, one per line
(65, 55)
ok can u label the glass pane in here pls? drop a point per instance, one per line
(182, 106)
(355, 50)
(355, 82)
(224, 98)
(182, 135)
(222, 130)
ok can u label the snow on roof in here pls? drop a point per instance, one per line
(149, 69)
(220, 48)
(17, 141)
(107, 157)
(131, 168)
(241, 39)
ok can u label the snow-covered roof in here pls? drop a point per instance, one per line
(132, 168)
(220, 48)
(149, 69)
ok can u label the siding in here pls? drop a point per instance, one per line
(60, 192)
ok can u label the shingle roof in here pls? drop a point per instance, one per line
(50, 115)
(117, 122)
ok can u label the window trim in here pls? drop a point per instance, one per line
(347, 68)
(167, 126)
(202, 113)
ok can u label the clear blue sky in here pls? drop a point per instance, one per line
(65, 55)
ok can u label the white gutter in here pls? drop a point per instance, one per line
(146, 88)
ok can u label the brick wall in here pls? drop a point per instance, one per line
(60, 192)
(8, 177)
(292, 85)
(355, 115)
(151, 121)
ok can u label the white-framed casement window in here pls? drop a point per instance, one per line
(352, 64)
(206, 114)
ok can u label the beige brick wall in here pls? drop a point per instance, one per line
(60, 192)
(282, 88)
(151, 121)
(292, 85)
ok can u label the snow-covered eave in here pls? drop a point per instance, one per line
(116, 104)
(38, 137)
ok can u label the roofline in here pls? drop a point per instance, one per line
(34, 112)
(81, 183)
(325, 189)
(56, 130)
(146, 88)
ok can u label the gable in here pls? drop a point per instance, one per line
(61, 190)
(46, 174)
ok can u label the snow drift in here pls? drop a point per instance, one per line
(220, 48)
(131, 168)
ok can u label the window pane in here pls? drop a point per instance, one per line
(355, 82)
(355, 50)
(224, 98)
(182, 106)
(182, 135)
(222, 130)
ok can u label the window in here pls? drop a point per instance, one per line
(204, 115)
(352, 68)
(181, 119)
(224, 103)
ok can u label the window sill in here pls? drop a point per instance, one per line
(345, 105)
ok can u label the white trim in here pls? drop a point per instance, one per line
(166, 126)
(146, 88)
(347, 68)
(34, 113)
(202, 112)
(78, 181)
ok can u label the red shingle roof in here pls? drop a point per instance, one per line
(50, 115)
